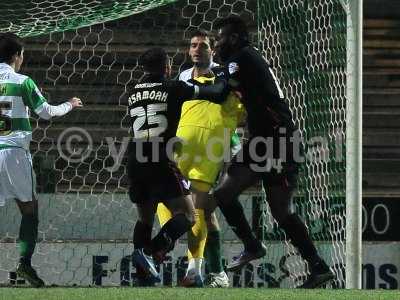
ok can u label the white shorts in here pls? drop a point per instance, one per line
(17, 178)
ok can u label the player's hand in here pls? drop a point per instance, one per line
(75, 102)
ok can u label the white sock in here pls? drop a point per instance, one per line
(194, 267)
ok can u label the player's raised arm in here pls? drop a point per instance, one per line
(214, 93)
(48, 111)
(34, 99)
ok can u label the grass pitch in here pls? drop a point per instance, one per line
(192, 294)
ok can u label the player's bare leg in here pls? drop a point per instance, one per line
(28, 232)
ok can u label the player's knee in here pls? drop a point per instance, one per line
(29, 209)
(189, 216)
(208, 216)
(209, 209)
(211, 221)
(191, 219)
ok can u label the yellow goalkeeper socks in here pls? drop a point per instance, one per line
(197, 237)
(163, 213)
(196, 243)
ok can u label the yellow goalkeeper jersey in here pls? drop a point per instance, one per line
(205, 114)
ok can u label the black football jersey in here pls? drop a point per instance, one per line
(262, 97)
(154, 108)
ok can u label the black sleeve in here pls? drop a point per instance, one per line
(181, 90)
(215, 92)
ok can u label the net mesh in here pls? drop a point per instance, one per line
(305, 42)
(86, 219)
(31, 18)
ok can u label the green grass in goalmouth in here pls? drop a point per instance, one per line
(192, 294)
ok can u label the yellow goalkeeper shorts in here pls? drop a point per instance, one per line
(201, 154)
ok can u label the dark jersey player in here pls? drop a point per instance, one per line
(263, 156)
(155, 108)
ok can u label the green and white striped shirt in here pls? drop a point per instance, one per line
(18, 94)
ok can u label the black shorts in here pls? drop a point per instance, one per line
(157, 182)
(273, 164)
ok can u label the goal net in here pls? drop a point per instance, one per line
(89, 49)
(305, 42)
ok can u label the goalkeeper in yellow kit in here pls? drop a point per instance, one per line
(207, 130)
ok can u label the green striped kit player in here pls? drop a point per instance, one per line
(19, 96)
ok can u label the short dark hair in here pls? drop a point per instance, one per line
(154, 60)
(237, 25)
(205, 34)
(10, 44)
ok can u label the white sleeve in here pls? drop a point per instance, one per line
(186, 75)
(47, 111)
